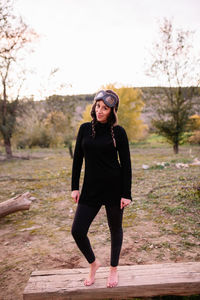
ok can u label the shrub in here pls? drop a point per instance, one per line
(195, 138)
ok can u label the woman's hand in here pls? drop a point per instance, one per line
(75, 195)
(124, 202)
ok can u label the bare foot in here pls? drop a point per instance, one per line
(113, 277)
(93, 268)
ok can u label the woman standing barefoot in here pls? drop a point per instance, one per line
(107, 180)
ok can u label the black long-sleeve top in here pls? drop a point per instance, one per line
(108, 175)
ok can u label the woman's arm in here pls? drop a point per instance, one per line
(125, 161)
(77, 161)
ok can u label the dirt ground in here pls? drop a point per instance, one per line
(161, 225)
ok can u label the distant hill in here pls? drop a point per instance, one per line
(77, 103)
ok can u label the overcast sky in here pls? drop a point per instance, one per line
(96, 42)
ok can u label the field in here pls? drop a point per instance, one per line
(161, 224)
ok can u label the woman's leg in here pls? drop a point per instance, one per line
(114, 216)
(82, 221)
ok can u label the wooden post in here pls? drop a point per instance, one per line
(134, 281)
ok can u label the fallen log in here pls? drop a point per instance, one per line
(19, 202)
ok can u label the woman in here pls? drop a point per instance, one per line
(107, 180)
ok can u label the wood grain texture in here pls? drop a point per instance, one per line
(134, 281)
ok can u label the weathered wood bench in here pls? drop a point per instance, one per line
(134, 281)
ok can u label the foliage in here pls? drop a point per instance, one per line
(86, 114)
(194, 129)
(7, 122)
(194, 122)
(174, 64)
(173, 117)
(195, 138)
(39, 125)
(33, 132)
(15, 35)
(130, 108)
(58, 127)
(62, 108)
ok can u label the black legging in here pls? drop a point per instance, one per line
(83, 218)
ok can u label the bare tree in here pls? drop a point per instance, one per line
(15, 36)
(175, 66)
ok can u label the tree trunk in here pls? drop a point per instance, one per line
(20, 202)
(71, 151)
(8, 149)
(176, 149)
(7, 141)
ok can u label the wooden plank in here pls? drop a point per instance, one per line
(134, 281)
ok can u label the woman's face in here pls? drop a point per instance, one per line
(102, 111)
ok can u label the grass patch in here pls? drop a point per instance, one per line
(161, 224)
